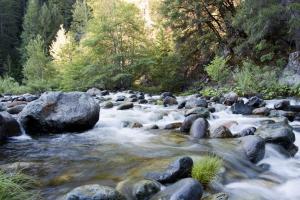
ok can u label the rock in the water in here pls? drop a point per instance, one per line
(241, 108)
(9, 126)
(104, 93)
(136, 125)
(3, 107)
(188, 121)
(199, 128)
(154, 127)
(145, 189)
(16, 110)
(108, 105)
(121, 98)
(181, 105)
(282, 105)
(57, 112)
(16, 103)
(143, 101)
(261, 111)
(203, 112)
(125, 106)
(30, 97)
(166, 94)
(169, 101)
(254, 147)
(94, 92)
(247, 131)
(218, 196)
(221, 132)
(179, 169)
(185, 189)
(278, 133)
(94, 192)
(196, 102)
(281, 113)
(256, 102)
(230, 98)
(173, 125)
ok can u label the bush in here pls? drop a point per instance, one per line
(10, 86)
(217, 70)
(206, 169)
(17, 186)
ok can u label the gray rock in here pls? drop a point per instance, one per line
(203, 112)
(261, 111)
(121, 98)
(169, 101)
(94, 192)
(188, 121)
(181, 105)
(167, 94)
(230, 98)
(247, 131)
(94, 92)
(3, 106)
(241, 108)
(125, 106)
(173, 125)
(57, 112)
(145, 189)
(282, 105)
(177, 170)
(196, 102)
(9, 126)
(221, 132)
(254, 147)
(30, 97)
(108, 105)
(143, 101)
(199, 128)
(256, 102)
(16, 110)
(185, 189)
(281, 113)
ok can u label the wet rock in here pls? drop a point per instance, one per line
(167, 94)
(278, 133)
(282, 105)
(179, 169)
(264, 166)
(125, 106)
(294, 108)
(215, 99)
(203, 112)
(16, 110)
(121, 98)
(154, 127)
(261, 111)
(3, 106)
(254, 147)
(218, 196)
(94, 192)
(199, 128)
(132, 100)
(241, 108)
(221, 132)
(256, 102)
(196, 102)
(188, 121)
(230, 98)
(229, 124)
(181, 105)
(281, 113)
(104, 93)
(30, 97)
(108, 105)
(136, 125)
(16, 103)
(9, 126)
(185, 189)
(247, 131)
(140, 97)
(173, 125)
(6, 99)
(57, 112)
(143, 101)
(211, 109)
(169, 101)
(94, 92)
(145, 189)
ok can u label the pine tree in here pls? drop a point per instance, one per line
(81, 14)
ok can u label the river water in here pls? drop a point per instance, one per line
(109, 154)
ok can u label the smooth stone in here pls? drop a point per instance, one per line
(185, 189)
(181, 105)
(169, 101)
(121, 98)
(93, 91)
(143, 101)
(199, 128)
(254, 147)
(261, 111)
(203, 112)
(247, 131)
(167, 94)
(230, 98)
(9, 127)
(125, 106)
(145, 189)
(281, 113)
(195, 102)
(16, 103)
(221, 132)
(173, 125)
(94, 192)
(16, 110)
(188, 121)
(241, 108)
(136, 125)
(282, 105)
(108, 105)
(177, 170)
(256, 102)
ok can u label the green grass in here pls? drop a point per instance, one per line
(17, 186)
(206, 169)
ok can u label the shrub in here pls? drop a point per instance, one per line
(217, 70)
(205, 170)
(17, 186)
(9, 85)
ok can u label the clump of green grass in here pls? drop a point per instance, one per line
(17, 186)
(206, 169)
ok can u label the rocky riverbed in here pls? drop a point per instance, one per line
(143, 146)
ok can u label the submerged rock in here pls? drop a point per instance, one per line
(94, 192)
(179, 169)
(185, 189)
(125, 106)
(57, 112)
(254, 147)
(145, 189)
(9, 127)
(199, 128)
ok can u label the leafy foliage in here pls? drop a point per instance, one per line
(218, 70)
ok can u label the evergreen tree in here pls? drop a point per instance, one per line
(81, 14)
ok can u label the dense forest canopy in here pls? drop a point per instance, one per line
(150, 44)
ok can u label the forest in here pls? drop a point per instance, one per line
(180, 45)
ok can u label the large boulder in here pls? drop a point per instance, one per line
(256, 102)
(278, 133)
(188, 121)
(281, 113)
(94, 192)
(291, 73)
(199, 128)
(283, 105)
(241, 108)
(230, 98)
(57, 112)
(94, 92)
(254, 147)
(9, 126)
(195, 102)
(177, 170)
(185, 189)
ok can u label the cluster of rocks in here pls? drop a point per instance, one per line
(174, 183)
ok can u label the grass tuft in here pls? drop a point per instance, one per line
(206, 169)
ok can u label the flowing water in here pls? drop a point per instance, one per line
(109, 154)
